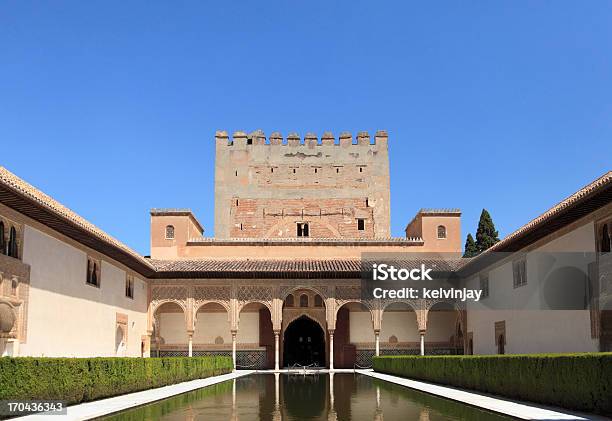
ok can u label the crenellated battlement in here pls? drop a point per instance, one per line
(310, 140)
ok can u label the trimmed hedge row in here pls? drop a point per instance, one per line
(85, 379)
(575, 381)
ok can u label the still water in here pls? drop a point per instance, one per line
(340, 396)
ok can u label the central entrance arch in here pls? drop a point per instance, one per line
(304, 343)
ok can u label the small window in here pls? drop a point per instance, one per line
(361, 224)
(303, 300)
(236, 202)
(249, 141)
(484, 285)
(169, 232)
(129, 286)
(360, 169)
(236, 173)
(318, 302)
(519, 273)
(316, 169)
(289, 301)
(93, 273)
(294, 171)
(441, 231)
(337, 170)
(241, 228)
(272, 169)
(605, 242)
(13, 249)
(14, 285)
(2, 240)
(302, 229)
(367, 203)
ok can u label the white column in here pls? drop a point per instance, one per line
(234, 348)
(191, 345)
(422, 332)
(331, 349)
(276, 351)
(331, 390)
(377, 337)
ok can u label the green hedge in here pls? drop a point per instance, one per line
(85, 379)
(575, 381)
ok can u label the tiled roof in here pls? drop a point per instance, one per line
(427, 211)
(324, 268)
(13, 187)
(586, 200)
(303, 241)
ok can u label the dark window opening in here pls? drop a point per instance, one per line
(519, 273)
(303, 300)
(249, 141)
(169, 232)
(302, 229)
(337, 170)
(441, 231)
(484, 285)
(12, 244)
(92, 273)
(318, 302)
(294, 171)
(367, 203)
(129, 287)
(605, 243)
(360, 169)
(236, 173)
(236, 202)
(361, 224)
(2, 242)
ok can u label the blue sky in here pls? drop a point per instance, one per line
(111, 107)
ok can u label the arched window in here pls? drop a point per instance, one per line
(169, 232)
(289, 301)
(303, 300)
(441, 231)
(13, 250)
(2, 240)
(318, 301)
(605, 243)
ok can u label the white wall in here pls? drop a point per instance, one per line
(211, 325)
(402, 324)
(67, 317)
(248, 329)
(360, 327)
(531, 327)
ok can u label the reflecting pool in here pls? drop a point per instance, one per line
(340, 396)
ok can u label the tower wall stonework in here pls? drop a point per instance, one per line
(263, 189)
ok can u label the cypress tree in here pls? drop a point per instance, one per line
(486, 235)
(470, 247)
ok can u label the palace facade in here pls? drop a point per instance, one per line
(280, 283)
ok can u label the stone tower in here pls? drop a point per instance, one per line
(290, 189)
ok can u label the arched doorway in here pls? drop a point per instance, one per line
(304, 343)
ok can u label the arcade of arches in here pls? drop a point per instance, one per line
(274, 324)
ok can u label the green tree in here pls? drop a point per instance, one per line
(486, 235)
(470, 247)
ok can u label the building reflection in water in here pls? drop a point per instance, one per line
(276, 397)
